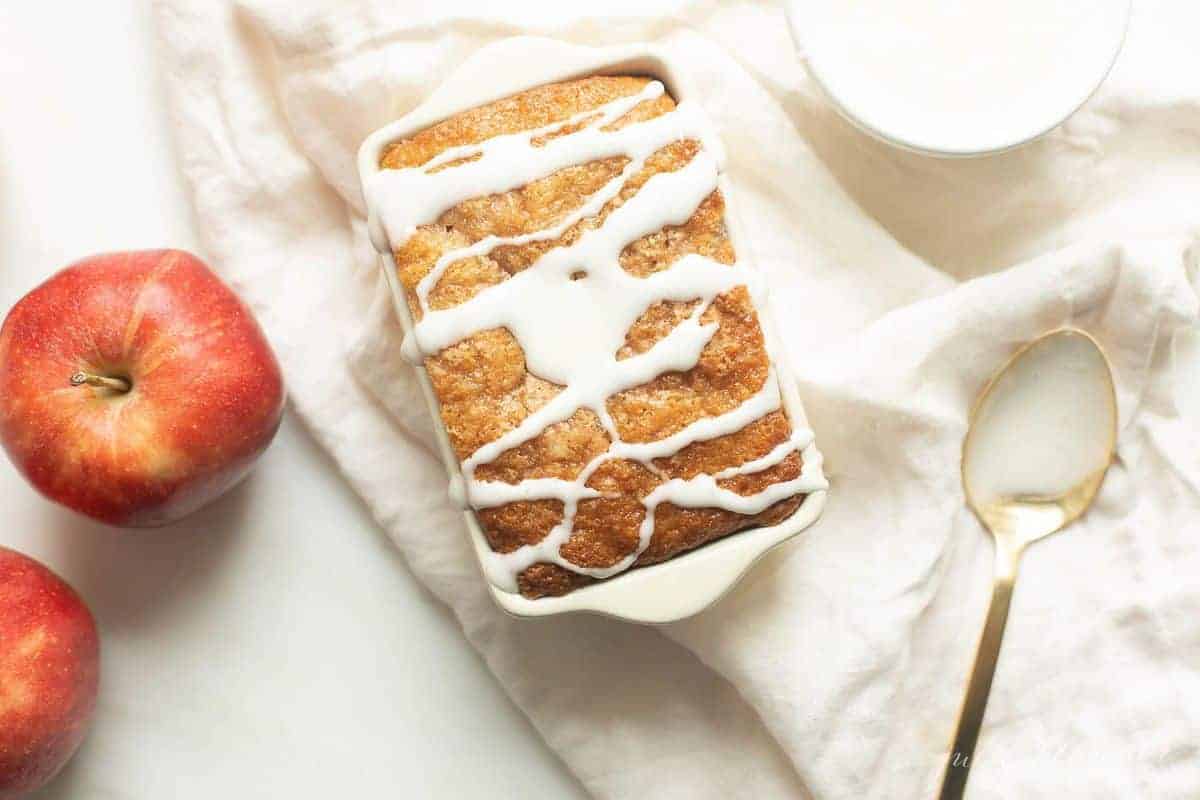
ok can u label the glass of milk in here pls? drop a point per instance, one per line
(958, 77)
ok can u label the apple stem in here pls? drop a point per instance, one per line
(119, 385)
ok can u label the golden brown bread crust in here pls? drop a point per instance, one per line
(485, 390)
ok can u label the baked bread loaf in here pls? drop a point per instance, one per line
(592, 342)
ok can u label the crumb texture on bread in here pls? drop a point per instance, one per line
(485, 389)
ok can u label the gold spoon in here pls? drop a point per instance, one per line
(1041, 437)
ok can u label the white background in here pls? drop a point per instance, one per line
(273, 645)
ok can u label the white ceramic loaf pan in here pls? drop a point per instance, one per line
(687, 583)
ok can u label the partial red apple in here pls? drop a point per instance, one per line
(49, 673)
(136, 387)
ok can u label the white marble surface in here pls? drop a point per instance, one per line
(273, 645)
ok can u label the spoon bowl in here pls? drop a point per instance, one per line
(1041, 438)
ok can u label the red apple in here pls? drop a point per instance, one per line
(49, 673)
(136, 387)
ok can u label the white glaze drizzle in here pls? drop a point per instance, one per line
(486, 494)
(583, 289)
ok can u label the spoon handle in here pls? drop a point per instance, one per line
(970, 718)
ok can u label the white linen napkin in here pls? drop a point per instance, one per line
(901, 282)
